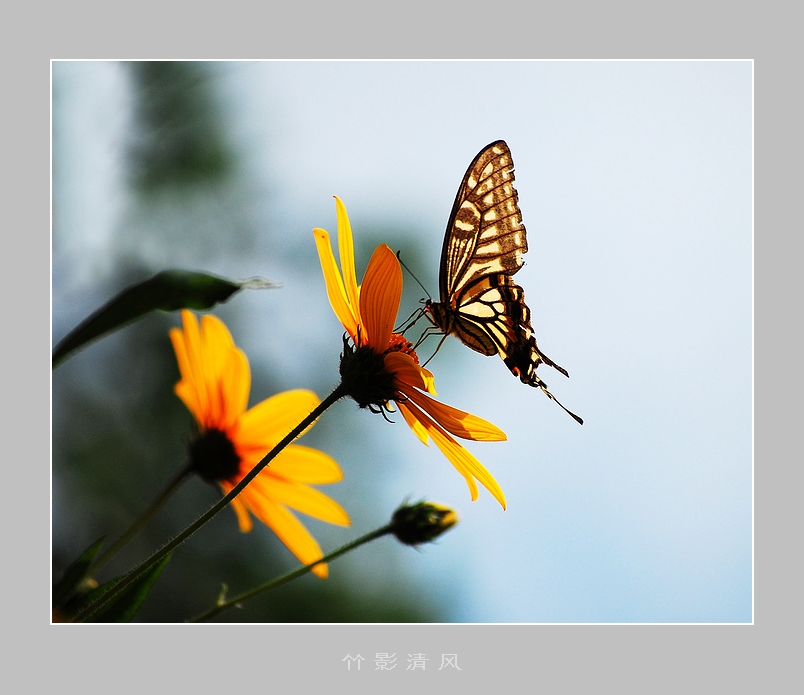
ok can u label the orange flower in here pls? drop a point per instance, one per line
(383, 366)
(214, 385)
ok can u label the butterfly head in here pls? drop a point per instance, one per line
(438, 315)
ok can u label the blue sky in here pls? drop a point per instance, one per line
(635, 184)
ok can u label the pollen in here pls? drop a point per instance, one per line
(399, 343)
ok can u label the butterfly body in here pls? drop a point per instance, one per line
(483, 248)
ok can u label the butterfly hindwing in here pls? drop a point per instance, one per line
(490, 306)
(483, 247)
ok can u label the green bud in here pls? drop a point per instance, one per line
(422, 522)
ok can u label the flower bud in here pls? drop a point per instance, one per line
(422, 522)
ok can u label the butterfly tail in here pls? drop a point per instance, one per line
(530, 378)
(552, 364)
(536, 381)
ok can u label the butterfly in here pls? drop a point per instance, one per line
(483, 248)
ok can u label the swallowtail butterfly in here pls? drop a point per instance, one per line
(483, 248)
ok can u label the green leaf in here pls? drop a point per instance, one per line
(168, 290)
(75, 574)
(122, 607)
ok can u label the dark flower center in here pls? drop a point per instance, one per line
(364, 375)
(213, 456)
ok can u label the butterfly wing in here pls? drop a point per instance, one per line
(485, 234)
(492, 318)
(483, 247)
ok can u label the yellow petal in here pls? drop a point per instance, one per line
(216, 343)
(302, 464)
(417, 427)
(185, 389)
(409, 375)
(288, 529)
(215, 374)
(466, 464)
(235, 384)
(243, 517)
(460, 457)
(346, 251)
(332, 278)
(379, 297)
(457, 422)
(227, 374)
(429, 381)
(195, 373)
(264, 425)
(409, 372)
(302, 498)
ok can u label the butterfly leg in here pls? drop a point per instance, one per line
(410, 321)
(426, 333)
(440, 342)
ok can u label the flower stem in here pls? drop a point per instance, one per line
(284, 579)
(339, 392)
(137, 525)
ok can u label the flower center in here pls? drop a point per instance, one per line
(363, 373)
(399, 343)
(213, 456)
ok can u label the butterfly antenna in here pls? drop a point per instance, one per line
(399, 258)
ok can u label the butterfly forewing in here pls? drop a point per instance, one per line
(485, 234)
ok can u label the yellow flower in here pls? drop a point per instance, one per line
(214, 385)
(383, 366)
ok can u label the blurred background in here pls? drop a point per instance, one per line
(635, 185)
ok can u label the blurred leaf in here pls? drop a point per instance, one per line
(75, 574)
(121, 608)
(168, 290)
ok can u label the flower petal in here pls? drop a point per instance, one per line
(215, 374)
(429, 381)
(302, 498)
(346, 251)
(335, 289)
(379, 297)
(243, 517)
(234, 387)
(227, 374)
(457, 422)
(466, 464)
(192, 388)
(408, 373)
(188, 394)
(303, 464)
(418, 429)
(288, 528)
(216, 342)
(264, 425)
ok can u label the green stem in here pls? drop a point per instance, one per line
(137, 525)
(284, 579)
(339, 392)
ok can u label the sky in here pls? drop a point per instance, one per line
(635, 186)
